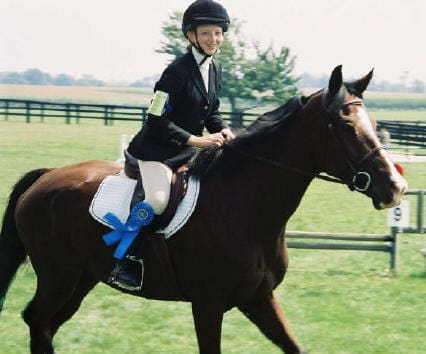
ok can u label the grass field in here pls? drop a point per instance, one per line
(336, 301)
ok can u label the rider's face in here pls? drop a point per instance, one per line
(210, 38)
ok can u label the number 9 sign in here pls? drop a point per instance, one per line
(400, 215)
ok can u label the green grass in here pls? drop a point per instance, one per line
(396, 103)
(403, 114)
(336, 301)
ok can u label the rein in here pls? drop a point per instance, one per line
(284, 166)
(353, 184)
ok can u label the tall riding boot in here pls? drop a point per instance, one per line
(128, 272)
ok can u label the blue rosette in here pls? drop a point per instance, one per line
(141, 215)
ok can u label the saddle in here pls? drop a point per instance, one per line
(177, 189)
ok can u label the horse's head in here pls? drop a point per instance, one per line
(353, 150)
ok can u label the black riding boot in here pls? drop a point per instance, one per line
(127, 273)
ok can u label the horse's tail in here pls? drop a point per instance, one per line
(12, 251)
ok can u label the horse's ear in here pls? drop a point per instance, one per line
(336, 81)
(336, 90)
(360, 85)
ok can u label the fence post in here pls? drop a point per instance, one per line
(77, 114)
(42, 112)
(67, 114)
(111, 115)
(237, 118)
(144, 114)
(420, 205)
(28, 108)
(6, 110)
(105, 115)
(394, 259)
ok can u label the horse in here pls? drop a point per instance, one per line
(232, 251)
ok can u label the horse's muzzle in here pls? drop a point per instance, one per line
(393, 196)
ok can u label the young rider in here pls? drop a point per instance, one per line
(186, 101)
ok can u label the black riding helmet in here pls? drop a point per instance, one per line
(204, 12)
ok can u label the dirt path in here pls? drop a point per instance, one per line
(398, 157)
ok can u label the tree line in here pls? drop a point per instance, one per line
(37, 77)
(404, 85)
(306, 80)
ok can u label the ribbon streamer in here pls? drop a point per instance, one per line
(142, 214)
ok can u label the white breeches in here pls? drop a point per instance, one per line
(156, 179)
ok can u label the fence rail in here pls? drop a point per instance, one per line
(409, 133)
(68, 111)
(370, 242)
(400, 132)
(30, 110)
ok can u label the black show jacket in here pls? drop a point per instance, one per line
(192, 109)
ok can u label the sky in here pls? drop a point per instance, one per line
(116, 40)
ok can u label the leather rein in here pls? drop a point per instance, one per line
(352, 184)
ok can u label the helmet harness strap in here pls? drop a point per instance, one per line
(200, 49)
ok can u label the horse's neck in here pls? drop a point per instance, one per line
(283, 190)
(266, 192)
(278, 189)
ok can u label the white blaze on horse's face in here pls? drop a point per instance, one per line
(365, 121)
(400, 184)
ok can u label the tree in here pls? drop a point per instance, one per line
(271, 77)
(266, 78)
(232, 56)
(12, 78)
(418, 86)
(175, 43)
(63, 80)
(37, 77)
(88, 80)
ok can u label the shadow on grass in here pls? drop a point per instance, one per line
(421, 275)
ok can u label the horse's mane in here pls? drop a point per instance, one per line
(265, 126)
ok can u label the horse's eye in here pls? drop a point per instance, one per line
(346, 111)
(347, 128)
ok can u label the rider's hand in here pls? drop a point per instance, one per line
(227, 134)
(206, 140)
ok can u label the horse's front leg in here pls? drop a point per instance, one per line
(267, 315)
(208, 325)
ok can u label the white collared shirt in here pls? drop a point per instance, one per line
(204, 68)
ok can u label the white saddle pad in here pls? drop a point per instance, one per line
(115, 194)
(185, 208)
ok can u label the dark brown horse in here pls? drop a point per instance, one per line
(232, 251)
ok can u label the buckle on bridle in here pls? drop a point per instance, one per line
(361, 181)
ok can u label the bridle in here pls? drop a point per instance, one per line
(354, 184)
(361, 180)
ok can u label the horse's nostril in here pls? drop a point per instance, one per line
(400, 185)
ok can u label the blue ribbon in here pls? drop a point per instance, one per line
(142, 214)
